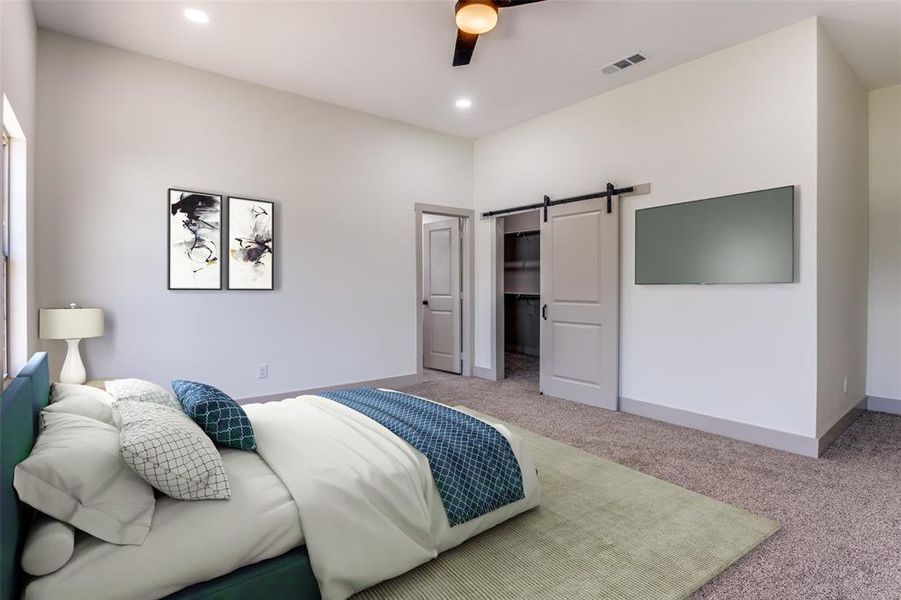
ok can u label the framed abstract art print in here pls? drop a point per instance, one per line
(195, 240)
(251, 252)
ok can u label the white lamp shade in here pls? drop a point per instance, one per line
(70, 323)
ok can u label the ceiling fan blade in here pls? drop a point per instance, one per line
(509, 3)
(466, 43)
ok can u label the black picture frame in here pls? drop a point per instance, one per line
(169, 243)
(232, 285)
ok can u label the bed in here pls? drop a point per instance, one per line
(286, 576)
(393, 512)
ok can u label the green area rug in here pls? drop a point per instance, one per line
(602, 531)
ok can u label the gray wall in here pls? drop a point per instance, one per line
(118, 129)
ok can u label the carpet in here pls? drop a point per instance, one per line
(602, 531)
(840, 514)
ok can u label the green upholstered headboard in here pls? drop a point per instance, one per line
(20, 411)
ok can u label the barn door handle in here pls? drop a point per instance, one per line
(544, 312)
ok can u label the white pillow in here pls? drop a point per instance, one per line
(76, 474)
(63, 391)
(86, 406)
(48, 547)
(139, 390)
(170, 452)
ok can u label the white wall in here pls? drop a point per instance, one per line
(884, 341)
(842, 232)
(18, 51)
(118, 129)
(738, 120)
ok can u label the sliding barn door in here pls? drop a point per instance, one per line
(580, 303)
(442, 311)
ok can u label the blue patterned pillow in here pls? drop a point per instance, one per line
(218, 415)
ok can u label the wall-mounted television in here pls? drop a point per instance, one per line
(742, 238)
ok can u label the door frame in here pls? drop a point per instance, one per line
(467, 247)
(496, 372)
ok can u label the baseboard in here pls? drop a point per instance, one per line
(387, 382)
(884, 405)
(762, 436)
(836, 430)
(484, 373)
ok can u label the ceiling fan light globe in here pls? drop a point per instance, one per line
(476, 17)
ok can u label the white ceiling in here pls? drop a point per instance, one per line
(394, 58)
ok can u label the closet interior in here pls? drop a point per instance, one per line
(522, 307)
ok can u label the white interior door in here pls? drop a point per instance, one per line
(580, 303)
(442, 310)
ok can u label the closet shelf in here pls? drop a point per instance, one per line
(512, 293)
(528, 263)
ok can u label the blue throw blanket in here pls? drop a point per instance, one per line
(473, 464)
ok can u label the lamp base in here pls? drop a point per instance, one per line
(73, 369)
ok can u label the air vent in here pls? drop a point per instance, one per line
(624, 63)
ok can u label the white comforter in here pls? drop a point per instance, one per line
(367, 500)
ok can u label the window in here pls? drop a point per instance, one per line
(4, 274)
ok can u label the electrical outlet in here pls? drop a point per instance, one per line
(845, 384)
(262, 371)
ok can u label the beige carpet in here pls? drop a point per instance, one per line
(602, 531)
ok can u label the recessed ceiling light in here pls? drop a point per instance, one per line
(463, 103)
(197, 16)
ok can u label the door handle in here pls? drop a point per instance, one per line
(544, 312)
(425, 302)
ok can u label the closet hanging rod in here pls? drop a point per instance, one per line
(609, 192)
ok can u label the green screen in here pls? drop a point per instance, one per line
(743, 238)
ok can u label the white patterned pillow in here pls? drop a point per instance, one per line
(141, 391)
(170, 452)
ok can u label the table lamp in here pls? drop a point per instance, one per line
(71, 324)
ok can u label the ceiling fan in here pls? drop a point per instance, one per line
(475, 17)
